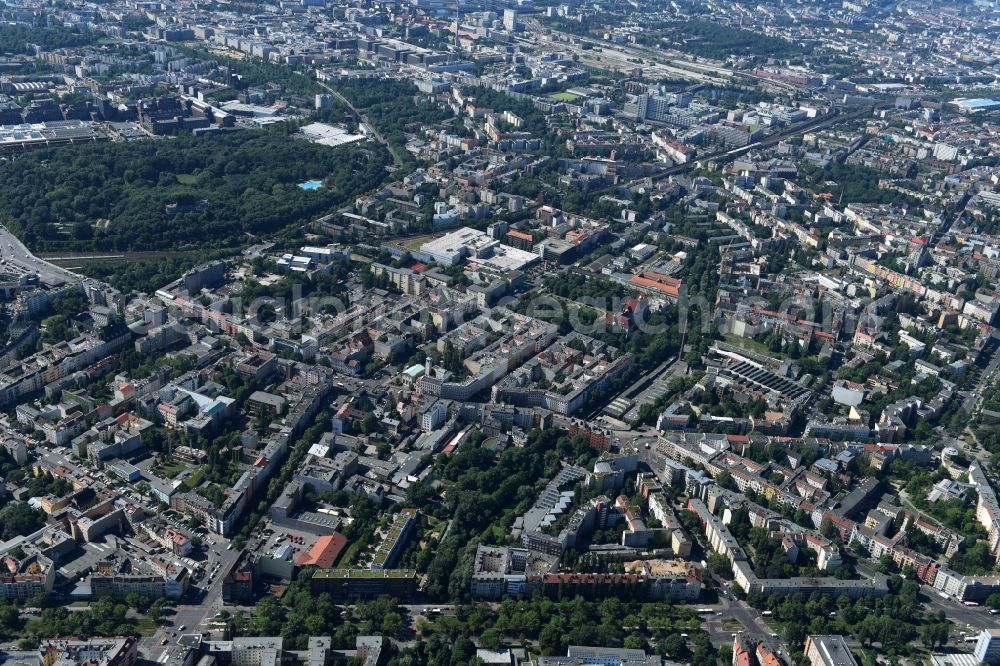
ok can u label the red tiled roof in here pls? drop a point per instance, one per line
(324, 552)
(661, 283)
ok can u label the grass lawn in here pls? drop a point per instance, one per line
(194, 480)
(415, 242)
(775, 626)
(169, 470)
(751, 345)
(564, 96)
(732, 624)
(145, 627)
(350, 553)
(187, 179)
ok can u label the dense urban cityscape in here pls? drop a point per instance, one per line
(500, 332)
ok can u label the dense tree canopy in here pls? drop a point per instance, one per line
(115, 196)
(17, 39)
(19, 519)
(393, 107)
(148, 276)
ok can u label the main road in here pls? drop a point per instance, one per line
(15, 257)
(968, 619)
(975, 392)
(193, 617)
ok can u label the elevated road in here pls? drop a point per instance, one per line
(363, 120)
(16, 258)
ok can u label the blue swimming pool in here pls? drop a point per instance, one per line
(311, 185)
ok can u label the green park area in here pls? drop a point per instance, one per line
(565, 96)
(145, 195)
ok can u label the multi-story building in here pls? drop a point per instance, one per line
(988, 646)
(256, 651)
(987, 506)
(353, 584)
(96, 651)
(31, 575)
(578, 655)
(395, 539)
(117, 578)
(828, 651)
